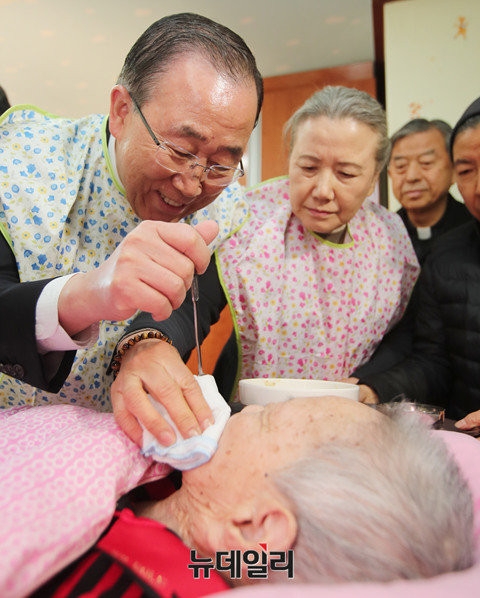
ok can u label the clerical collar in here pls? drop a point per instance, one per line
(424, 232)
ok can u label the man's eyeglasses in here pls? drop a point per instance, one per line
(176, 159)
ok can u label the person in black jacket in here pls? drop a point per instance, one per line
(444, 365)
(421, 173)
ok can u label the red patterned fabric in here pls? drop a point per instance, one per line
(141, 550)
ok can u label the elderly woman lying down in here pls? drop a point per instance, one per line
(355, 495)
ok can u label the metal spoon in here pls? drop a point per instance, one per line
(195, 295)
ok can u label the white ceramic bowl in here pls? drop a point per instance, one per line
(260, 391)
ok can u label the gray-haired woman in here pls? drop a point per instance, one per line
(317, 274)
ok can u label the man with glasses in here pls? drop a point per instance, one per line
(95, 213)
(178, 160)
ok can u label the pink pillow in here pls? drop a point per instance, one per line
(62, 469)
(466, 451)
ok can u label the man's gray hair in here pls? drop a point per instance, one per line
(421, 125)
(337, 102)
(394, 506)
(184, 33)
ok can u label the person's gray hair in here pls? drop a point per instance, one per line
(394, 506)
(338, 102)
(421, 125)
(181, 34)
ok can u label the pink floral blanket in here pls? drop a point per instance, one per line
(62, 470)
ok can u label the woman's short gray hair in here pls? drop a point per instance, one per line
(394, 506)
(337, 102)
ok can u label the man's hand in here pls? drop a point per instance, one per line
(472, 420)
(151, 270)
(155, 367)
(365, 393)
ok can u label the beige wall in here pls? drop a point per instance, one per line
(432, 52)
(64, 55)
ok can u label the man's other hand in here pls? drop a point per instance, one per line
(153, 366)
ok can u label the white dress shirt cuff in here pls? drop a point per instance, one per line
(49, 333)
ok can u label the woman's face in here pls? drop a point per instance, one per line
(466, 164)
(332, 170)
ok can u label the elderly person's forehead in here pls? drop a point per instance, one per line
(331, 413)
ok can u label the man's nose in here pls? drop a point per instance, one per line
(253, 408)
(324, 186)
(188, 183)
(413, 171)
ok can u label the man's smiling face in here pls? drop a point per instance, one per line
(195, 108)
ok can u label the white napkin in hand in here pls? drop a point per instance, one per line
(188, 453)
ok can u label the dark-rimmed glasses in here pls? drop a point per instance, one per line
(178, 160)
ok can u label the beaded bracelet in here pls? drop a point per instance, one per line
(117, 358)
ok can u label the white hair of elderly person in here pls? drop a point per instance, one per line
(395, 507)
(359, 496)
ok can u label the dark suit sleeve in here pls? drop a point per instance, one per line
(425, 375)
(179, 326)
(19, 357)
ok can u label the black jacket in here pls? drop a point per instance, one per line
(19, 357)
(455, 215)
(444, 365)
(398, 343)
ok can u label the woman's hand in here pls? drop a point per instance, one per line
(365, 393)
(472, 420)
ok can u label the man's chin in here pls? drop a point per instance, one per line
(417, 206)
(158, 209)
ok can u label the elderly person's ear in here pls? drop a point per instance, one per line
(266, 520)
(120, 107)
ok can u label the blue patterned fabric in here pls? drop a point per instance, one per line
(65, 212)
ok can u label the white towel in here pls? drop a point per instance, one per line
(188, 453)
